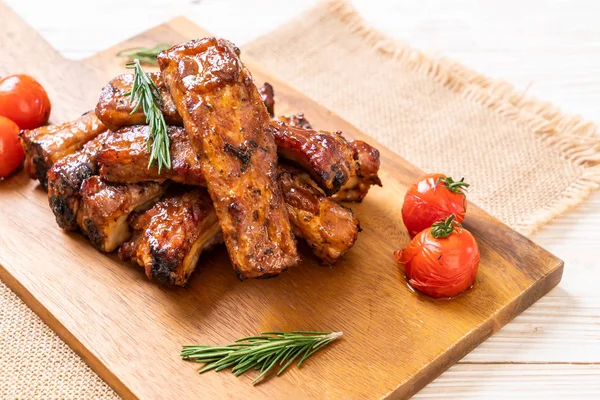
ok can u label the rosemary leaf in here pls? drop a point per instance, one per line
(261, 352)
(144, 94)
(146, 55)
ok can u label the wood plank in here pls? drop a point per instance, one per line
(563, 339)
(130, 330)
(564, 326)
(559, 327)
(515, 381)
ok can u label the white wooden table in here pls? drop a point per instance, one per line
(550, 48)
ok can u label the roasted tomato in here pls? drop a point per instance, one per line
(432, 198)
(24, 101)
(11, 152)
(441, 261)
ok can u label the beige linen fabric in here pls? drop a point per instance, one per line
(35, 363)
(526, 162)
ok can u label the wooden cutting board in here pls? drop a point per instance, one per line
(130, 330)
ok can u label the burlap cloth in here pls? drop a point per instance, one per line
(526, 161)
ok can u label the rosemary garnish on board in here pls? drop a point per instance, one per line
(144, 54)
(263, 352)
(145, 94)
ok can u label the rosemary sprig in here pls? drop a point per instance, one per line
(459, 187)
(443, 229)
(261, 352)
(144, 54)
(145, 94)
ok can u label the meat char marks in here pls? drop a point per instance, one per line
(105, 207)
(365, 164)
(328, 157)
(267, 94)
(170, 237)
(66, 177)
(47, 144)
(115, 109)
(298, 120)
(124, 158)
(330, 229)
(227, 122)
(364, 176)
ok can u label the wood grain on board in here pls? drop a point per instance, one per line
(130, 329)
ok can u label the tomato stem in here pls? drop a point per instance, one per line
(443, 229)
(459, 187)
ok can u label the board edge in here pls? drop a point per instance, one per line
(63, 333)
(503, 316)
(406, 389)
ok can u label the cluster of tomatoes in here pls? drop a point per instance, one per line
(24, 104)
(442, 258)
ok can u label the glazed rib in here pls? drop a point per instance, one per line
(343, 170)
(66, 177)
(124, 158)
(47, 144)
(114, 107)
(365, 175)
(227, 125)
(298, 120)
(326, 225)
(328, 157)
(329, 228)
(267, 94)
(170, 236)
(365, 166)
(104, 208)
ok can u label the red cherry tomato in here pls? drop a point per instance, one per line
(441, 261)
(432, 198)
(24, 101)
(11, 152)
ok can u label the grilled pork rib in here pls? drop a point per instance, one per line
(170, 236)
(267, 94)
(227, 125)
(124, 158)
(328, 157)
(329, 228)
(365, 175)
(104, 208)
(115, 109)
(47, 144)
(298, 120)
(366, 165)
(66, 177)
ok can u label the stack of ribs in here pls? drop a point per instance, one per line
(239, 176)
